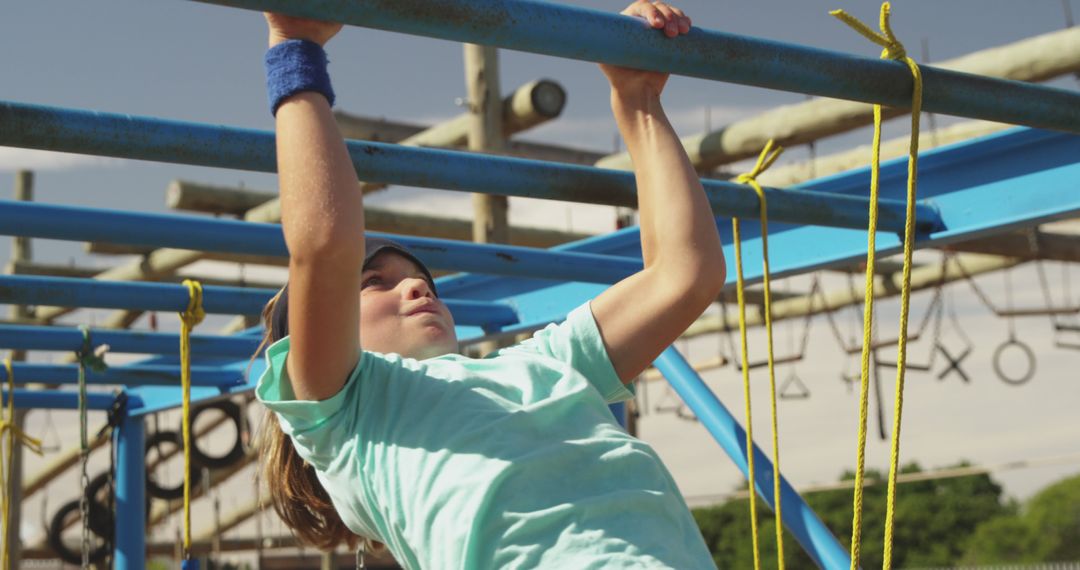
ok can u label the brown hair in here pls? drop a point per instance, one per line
(296, 493)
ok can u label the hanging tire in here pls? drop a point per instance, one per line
(101, 520)
(153, 489)
(55, 537)
(232, 411)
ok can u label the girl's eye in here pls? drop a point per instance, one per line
(369, 282)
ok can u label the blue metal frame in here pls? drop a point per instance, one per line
(161, 140)
(128, 374)
(1012, 179)
(26, 399)
(595, 36)
(92, 293)
(25, 337)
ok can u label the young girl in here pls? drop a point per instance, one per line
(379, 431)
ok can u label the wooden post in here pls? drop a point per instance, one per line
(21, 251)
(485, 135)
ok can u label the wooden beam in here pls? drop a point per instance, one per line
(922, 278)
(1029, 244)
(221, 200)
(799, 172)
(1038, 58)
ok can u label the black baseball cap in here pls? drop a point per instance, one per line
(279, 321)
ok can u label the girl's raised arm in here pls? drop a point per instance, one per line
(684, 263)
(321, 213)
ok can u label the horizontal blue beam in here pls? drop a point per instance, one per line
(26, 337)
(92, 293)
(816, 538)
(213, 234)
(128, 375)
(591, 35)
(26, 399)
(146, 138)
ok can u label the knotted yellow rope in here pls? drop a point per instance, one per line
(188, 320)
(10, 432)
(893, 49)
(768, 156)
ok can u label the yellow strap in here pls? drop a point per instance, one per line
(10, 432)
(893, 49)
(768, 156)
(188, 321)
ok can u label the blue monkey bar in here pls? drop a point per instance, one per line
(213, 234)
(798, 517)
(25, 337)
(146, 138)
(56, 399)
(591, 35)
(128, 375)
(71, 292)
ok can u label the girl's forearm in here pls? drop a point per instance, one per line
(322, 208)
(678, 230)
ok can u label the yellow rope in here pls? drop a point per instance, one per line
(10, 432)
(188, 319)
(768, 156)
(893, 49)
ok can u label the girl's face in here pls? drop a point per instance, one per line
(399, 313)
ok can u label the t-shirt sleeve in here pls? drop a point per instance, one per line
(321, 429)
(577, 341)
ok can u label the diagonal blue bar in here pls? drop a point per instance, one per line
(591, 35)
(128, 375)
(25, 337)
(147, 138)
(798, 517)
(91, 293)
(57, 400)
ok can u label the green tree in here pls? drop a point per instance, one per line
(934, 522)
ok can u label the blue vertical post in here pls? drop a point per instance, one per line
(798, 517)
(130, 537)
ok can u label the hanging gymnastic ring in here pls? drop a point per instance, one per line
(1024, 348)
(152, 487)
(55, 538)
(232, 411)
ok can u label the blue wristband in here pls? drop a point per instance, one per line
(295, 66)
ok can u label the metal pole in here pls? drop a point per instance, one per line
(57, 400)
(202, 233)
(130, 535)
(593, 35)
(799, 518)
(145, 138)
(129, 375)
(37, 290)
(69, 340)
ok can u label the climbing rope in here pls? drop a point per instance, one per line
(892, 49)
(87, 358)
(768, 156)
(14, 435)
(189, 319)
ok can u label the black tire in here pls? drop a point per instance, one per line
(55, 538)
(102, 522)
(153, 489)
(236, 453)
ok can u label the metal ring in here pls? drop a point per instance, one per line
(232, 411)
(1024, 348)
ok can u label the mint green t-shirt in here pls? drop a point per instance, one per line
(510, 461)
